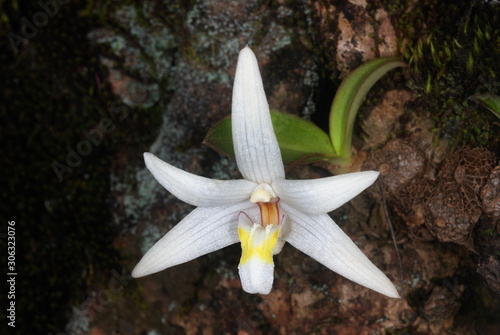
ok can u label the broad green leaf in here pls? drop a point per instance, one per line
(488, 100)
(348, 99)
(298, 139)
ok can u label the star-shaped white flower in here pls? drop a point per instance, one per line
(263, 210)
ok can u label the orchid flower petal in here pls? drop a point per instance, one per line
(256, 266)
(196, 190)
(319, 237)
(204, 230)
(255, 145)
(320, 196)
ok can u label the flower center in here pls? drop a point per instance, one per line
(269, 213)
(267, 200)
(262, 193)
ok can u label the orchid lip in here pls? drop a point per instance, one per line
(258, 244)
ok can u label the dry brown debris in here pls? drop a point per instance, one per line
(447, 208)
(398, 163)
(489, 269)
(490, 194)
(410, 204)
(455, 208)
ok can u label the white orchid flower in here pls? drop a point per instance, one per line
(263, 210)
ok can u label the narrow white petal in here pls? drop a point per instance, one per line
(319, 237)
(255, 146)
(197, 190)
(320, 196)
(204, 230)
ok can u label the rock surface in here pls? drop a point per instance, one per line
(161, 73)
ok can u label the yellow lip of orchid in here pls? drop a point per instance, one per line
(259, 242)
(264, 210)
(256, 266)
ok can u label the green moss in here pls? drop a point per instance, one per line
(452, 51)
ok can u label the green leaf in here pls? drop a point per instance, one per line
(298, 139)
(219, 137)
(348, 99)
(488, 100)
